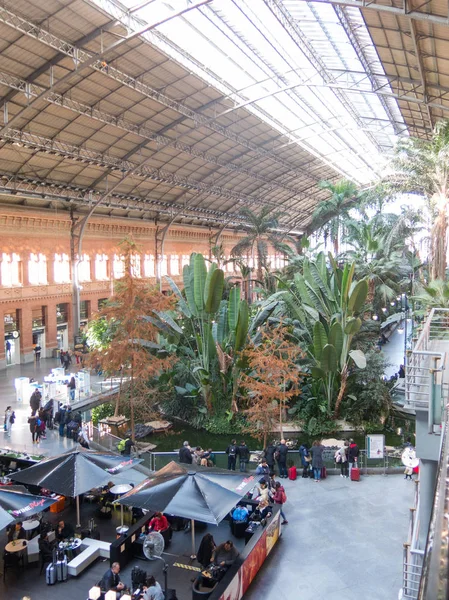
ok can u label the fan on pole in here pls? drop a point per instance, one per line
(153, 546)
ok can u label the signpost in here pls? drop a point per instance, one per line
(375, 446)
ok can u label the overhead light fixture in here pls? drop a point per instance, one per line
(375, 317)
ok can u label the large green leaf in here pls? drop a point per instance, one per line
(353, 326)
(317, 373)
(187, 274)
(319, 339)
(199, 280)
(359, 358)
(328, 360)
(181, 302)
(346, 282)
(241, 331)
(336, 338)
(215, 292)
(222, 328)
(167, 318)
(210, 272)
(233, 308)
(358, 296)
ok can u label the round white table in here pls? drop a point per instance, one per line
(30, 525)
(16, 546)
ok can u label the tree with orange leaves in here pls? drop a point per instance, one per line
(271, 379)
(132, 321)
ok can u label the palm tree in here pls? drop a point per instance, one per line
(260, 236)
(422, 167)
(329, 214)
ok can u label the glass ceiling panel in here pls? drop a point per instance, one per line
(288, 80)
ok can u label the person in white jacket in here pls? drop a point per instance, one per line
(341, 458)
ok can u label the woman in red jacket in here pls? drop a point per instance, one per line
(280, 497)
(158, 522)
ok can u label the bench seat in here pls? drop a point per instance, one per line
(90, 551)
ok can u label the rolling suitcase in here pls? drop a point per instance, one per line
(61, 569)
(50, 574)
(292, 473)
(323, 474)
(355, 474)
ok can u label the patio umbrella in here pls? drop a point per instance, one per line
(17, 503)
(195, 493)
(75, 472)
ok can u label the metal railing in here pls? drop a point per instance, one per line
(413, 555)
(434, 583)
(425, 367)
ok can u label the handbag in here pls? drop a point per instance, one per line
(337, 457)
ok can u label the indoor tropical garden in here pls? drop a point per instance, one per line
(299, 349)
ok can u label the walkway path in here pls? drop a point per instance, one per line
(343, 541)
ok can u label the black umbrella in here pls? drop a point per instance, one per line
(196, 493)
(75, 472)
(17, 503)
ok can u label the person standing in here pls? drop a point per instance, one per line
(34, 428)
(353, 455)
(231, 451)
(206, 549)
(317, 459)
(264, 470)
(243, 453)
(37, 353)
(185, 454)
(8, 349)
(305, 460)
(280, 497)
(269, 455)
(72, 389)
(35, 402)
(10, 417)
(281, 457)
(60, 420)
(341, 457)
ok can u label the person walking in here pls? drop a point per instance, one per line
(231, 451)
(264, 470)
(37, 353)
(280, 497)
(281, 456)
(243, 454)
(341, 458)
(72, 389)
(353, 455)
(317, 459)
(60, 420)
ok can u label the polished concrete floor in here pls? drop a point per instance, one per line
(343, 541)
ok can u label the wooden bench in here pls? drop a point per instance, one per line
(91, 550)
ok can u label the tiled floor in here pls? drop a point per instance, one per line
(343, 541)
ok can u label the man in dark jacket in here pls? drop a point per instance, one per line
(281, 457)
(46, 547)
(232, 451)
(269, 455)
(353, 454)
(185, 454)
(111, 579)
(35, 402)
(129, 443)
(243, 453)
(16, 532)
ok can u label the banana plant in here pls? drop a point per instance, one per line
(328, 302)
(203, 290)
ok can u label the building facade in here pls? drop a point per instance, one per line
(36, 278)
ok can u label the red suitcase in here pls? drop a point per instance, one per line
(355, 474)
(292, 473)
(323, 473)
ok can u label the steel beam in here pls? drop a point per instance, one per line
(77, 153)
(400, 11)
(33, 90)
(84, 59)
(420, 69)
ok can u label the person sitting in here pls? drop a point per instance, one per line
(153, 590)
(64, 531)
(262, 511)
(158, 523)
(223, 556)
(262, 492)
(111, 580)
(264, 470)
(16, 532)
(206, 549)
(46, 547)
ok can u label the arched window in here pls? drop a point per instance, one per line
(84, 268)
(10, 270)
(149, 267)
(118, 268)
(101, 267)
(62, 268)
